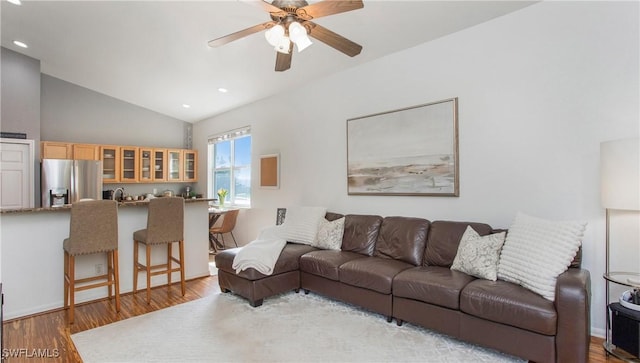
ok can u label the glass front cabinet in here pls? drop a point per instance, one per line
(190, 158)
(129, 164)
(174, 165)
(145, 164)
(110, 156)
(159, 164)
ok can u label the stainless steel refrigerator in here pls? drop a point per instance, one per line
(67, 181)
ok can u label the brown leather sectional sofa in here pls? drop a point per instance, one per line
(400, 267)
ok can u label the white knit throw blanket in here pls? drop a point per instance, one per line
(261, 254)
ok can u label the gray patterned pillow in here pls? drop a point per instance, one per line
(478, 255)
(329, 235)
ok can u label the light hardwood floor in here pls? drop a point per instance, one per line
(50, 333)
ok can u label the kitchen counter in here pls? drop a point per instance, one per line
(31, 247)
(66, 207)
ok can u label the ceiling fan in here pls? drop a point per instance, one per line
(291, 23)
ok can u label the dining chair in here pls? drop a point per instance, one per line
(227, 226)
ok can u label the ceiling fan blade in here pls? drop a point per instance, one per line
(327, 7)
(240, 34)
(283, 61)
(333, 40)
(271, 9)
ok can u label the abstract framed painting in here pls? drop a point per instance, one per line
(410, 151)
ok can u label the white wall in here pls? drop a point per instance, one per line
(538, 90)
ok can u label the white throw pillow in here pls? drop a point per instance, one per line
(301, 224)
(478, 255)
(330, 234)
(536, 251)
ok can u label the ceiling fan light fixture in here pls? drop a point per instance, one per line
(274, 35)
(284, 45)
(298, 35)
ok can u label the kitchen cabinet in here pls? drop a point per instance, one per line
(110, 156)
(146, 171)
(129, 164)
(190, 159)
(159, 165)
(56, 150)
(174, 165)
(86, 152)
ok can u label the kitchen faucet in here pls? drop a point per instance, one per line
(113, 196)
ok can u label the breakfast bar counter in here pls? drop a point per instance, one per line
(31, 255)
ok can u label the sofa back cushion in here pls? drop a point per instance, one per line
(361, 233)
(444, 238)
(331, 216)
(402, 238)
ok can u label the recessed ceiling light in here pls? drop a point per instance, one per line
(223, 90)
(20, 44)
(15, 2)
(186, 106)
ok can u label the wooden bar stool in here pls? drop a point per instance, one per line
(93, 229)
(165, 225)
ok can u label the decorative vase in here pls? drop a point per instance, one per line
(220, 201)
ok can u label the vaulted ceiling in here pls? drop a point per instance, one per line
(154, 54)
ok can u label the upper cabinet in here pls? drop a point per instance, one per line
(86, 152)
(145, 163)
(189, 171)
(130, 164)
(174, 165)
(56, 150)
(159, 165)
(110, 156)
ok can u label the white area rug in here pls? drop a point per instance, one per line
(288, 328)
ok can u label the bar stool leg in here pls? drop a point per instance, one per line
(182, 283)
(136, 269)
(148, 273)
(109, 274)
(66, 279)
(116, 279)
(169, 255)
(72, 287)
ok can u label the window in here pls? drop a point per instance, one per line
(230, 166)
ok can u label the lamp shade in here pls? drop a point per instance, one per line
(274, 35)
(298, 35)
(620, 174)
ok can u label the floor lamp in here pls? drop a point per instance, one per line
(620, 190)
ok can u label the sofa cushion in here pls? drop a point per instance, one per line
(288, 261)
(326, 263)
(402, 238)
(431, 284)
(444, 238)
(478, 255)
(361, 233)
(507, 303)
(301, 224)
(373, 273)
(329, 235)
(536, 251)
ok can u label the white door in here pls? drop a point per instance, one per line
(16, 174)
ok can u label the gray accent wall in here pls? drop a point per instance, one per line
(20, 94)
(76, 114)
